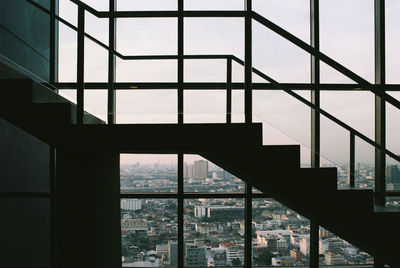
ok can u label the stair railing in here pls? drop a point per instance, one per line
(82, 7)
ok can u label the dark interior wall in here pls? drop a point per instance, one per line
(25, 161)
(25, 222)
(25, 35)
(87, 209)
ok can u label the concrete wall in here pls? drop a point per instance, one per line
(25, 35)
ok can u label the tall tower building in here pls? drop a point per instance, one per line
(393, 174)
(200, 169)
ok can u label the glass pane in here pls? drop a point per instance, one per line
(146, 70)
(147, 36)
(96, 62)
(214, 5)
(282, 236)
(68, 11)
(69, 94)
(149, 231)
(100, 5)
(205, 70)
(392, 174)
(148, 173)
(278, 58)
(293, 16)
(238, 73)
(134, 5)
(283, 124)
(146, 106)
(67, 54)
(237, 106)
(227, 35)
(336, 251)
(96, 103)
(335, 150)
(201, 175)
(355, 108)
(25, 231)
(364, 165)
(392, 32)
(392, 129)
(204, 106)
(25, 161)
(347, 35)
(97, 27)
(214, 232)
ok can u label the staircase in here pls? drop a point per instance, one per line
(237, 148)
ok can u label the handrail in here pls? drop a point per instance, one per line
(320, 110)
(280, 31)
(321, 56)
(285, 34)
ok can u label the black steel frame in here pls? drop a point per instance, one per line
(379, 89)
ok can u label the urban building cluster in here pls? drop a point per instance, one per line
(214, 228)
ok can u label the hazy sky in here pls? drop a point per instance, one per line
(347, 35)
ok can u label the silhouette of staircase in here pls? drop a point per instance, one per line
(237, 148)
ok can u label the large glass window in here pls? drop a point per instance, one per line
(281, 237)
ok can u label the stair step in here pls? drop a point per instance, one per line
(23, 92)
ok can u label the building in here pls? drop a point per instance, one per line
(200, 211)
(131, 204)
(305, 245)
(393, 174)
(295, 253)
(334, 258)
(200, 169)
(195, 256)
(233, 252)
(69, 171)
(134, 225)
(173, 253)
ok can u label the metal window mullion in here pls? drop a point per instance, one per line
(248, 227)
(352, 159)
(380, 109)
(180, 60)
(80, 66)
(315, 121)
(53, 42)
(229, 90)
(180, 211)
(248, 62)
(315, 81)
(111, 64)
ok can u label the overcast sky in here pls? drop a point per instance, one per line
(347, 35)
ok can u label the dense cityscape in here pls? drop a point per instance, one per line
(214, 228)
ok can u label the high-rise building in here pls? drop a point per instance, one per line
(393, 174)
(200, 169)
(173, 253)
